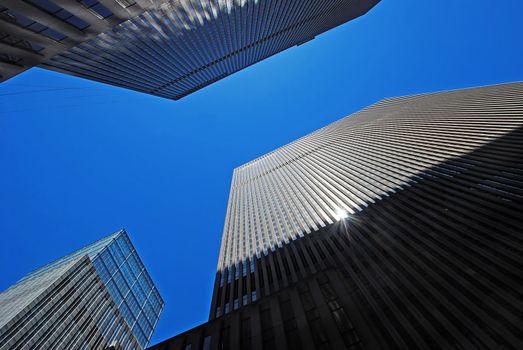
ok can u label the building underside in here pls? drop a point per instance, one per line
(166, 48)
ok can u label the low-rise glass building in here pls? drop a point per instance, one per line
(97, 297)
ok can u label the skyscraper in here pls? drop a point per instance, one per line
(167, 48)
(98, 297)
(397, 227)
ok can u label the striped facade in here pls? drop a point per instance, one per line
(167, 48)
(311, 314)
(417, 201)
(94, 298)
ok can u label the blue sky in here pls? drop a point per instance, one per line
(81, 160)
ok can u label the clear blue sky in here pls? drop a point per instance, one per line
(85, 159)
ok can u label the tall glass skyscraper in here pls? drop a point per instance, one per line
(97, 297)
(167, 48)
(397, 227)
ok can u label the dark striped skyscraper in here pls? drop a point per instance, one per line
(397, 227)
(167, 48)
(99, 297)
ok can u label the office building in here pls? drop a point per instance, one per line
(99, 297)
(397, 227)
(167, 48)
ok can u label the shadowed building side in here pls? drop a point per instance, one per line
(310, 314)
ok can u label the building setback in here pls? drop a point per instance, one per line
(99, 297)
(167, 48)
(397, 227)
(282, 320)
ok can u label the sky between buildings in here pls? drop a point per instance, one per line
(80, 160)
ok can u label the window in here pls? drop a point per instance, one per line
(24, 44)
(267, 329)
(60, 13)
(307, 301)
(224, 338)
(95, 7)
(126, 3)
(319, 335)
(286, 309)
(245, 333)
(36, 27)
(340, 316)
(207, 343)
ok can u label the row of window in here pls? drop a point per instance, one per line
(236, 304)
(308, 251)
(96, 7)
(317, 318)
(23, 44)
(130, 286)
(9, 59)
(60, 13)
(91, 250)
(30, 24)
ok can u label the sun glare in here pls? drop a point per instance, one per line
(342, 214)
